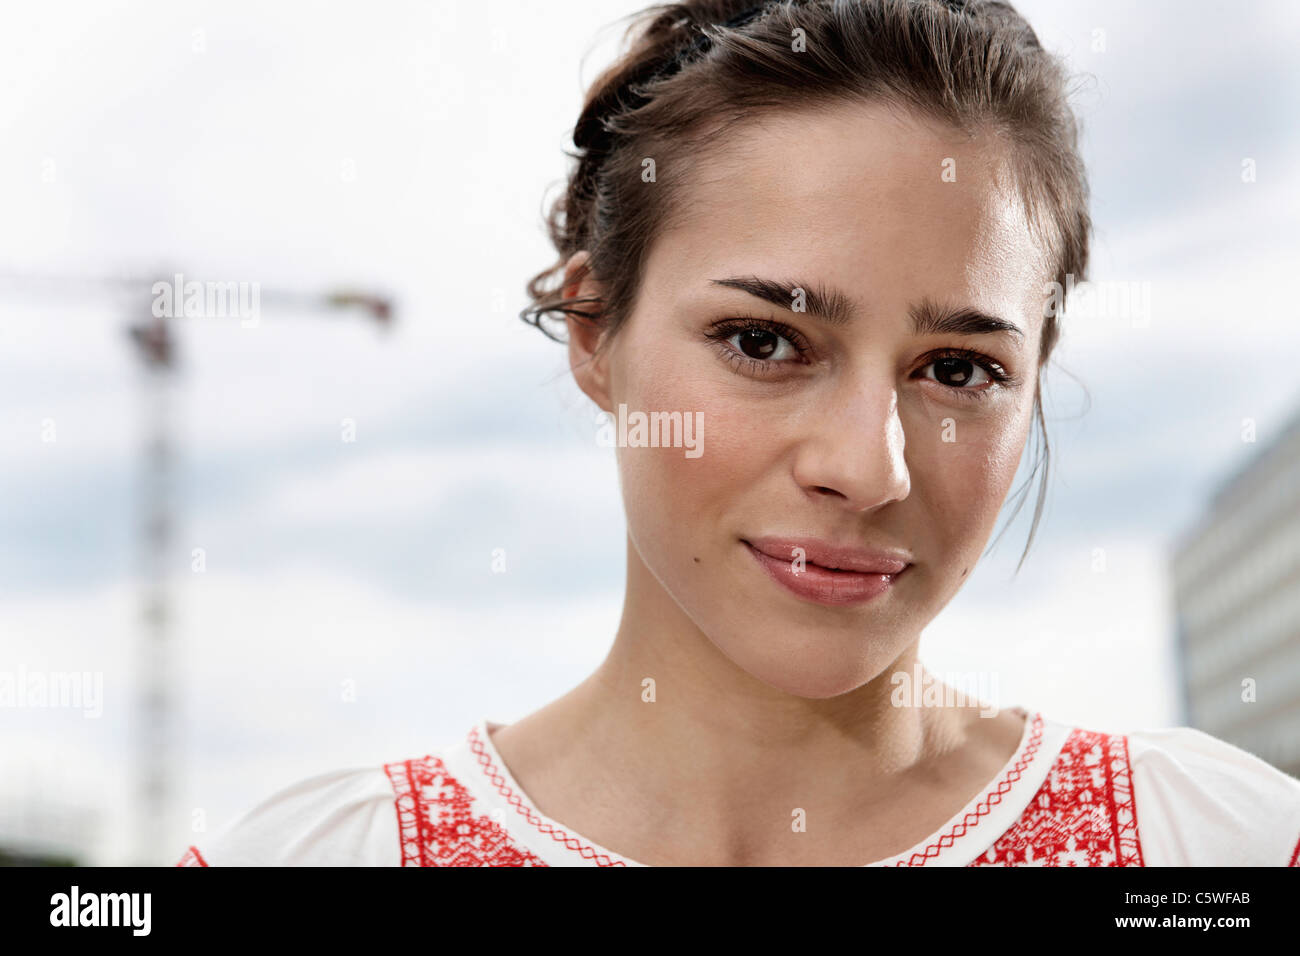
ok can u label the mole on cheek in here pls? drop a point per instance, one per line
(697, 560)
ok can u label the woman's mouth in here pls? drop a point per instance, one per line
(789, 564)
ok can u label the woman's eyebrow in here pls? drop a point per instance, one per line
(837, 308)
(830, 305)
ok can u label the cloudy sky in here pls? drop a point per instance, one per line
(408, 147)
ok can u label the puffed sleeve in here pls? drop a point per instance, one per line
(1201, 801)
(341, 818)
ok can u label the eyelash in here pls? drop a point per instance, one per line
(720, 332)
(725, 329)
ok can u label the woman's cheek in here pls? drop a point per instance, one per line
(966, 478)
(705, 467)
(685, 502)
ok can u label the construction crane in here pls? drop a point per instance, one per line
(157, 348)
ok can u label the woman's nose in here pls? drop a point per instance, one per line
(853, 451)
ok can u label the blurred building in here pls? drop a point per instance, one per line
(1236, 582)
(45, 832)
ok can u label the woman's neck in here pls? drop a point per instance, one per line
(669, 753)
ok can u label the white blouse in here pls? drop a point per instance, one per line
(1066, 797)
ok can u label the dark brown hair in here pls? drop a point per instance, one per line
(686, 79)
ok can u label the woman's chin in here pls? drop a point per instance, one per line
(800, 673)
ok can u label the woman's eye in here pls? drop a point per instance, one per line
(958, 373)
(763, 345)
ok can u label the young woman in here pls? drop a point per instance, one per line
(821, 233)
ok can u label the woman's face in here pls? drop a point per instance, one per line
(867, 431)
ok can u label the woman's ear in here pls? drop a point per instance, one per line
(590, 370)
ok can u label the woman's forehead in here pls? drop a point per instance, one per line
(854, 169)
(863, 198)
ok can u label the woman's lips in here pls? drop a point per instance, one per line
(824, 585)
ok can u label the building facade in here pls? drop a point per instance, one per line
(1236, 584)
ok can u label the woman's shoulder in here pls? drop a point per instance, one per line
(343, 817)
(1079, 796)
(1201, 800)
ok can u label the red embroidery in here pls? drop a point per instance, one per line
(1082, 815)
(1295, 857)
(993, 797)
(437, 824)
(490, 770)
(192, 857)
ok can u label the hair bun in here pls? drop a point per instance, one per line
(663, 47)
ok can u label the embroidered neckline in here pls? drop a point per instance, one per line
(937, 845)
(494, 770)
(1083, 814)
(1030, 741)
